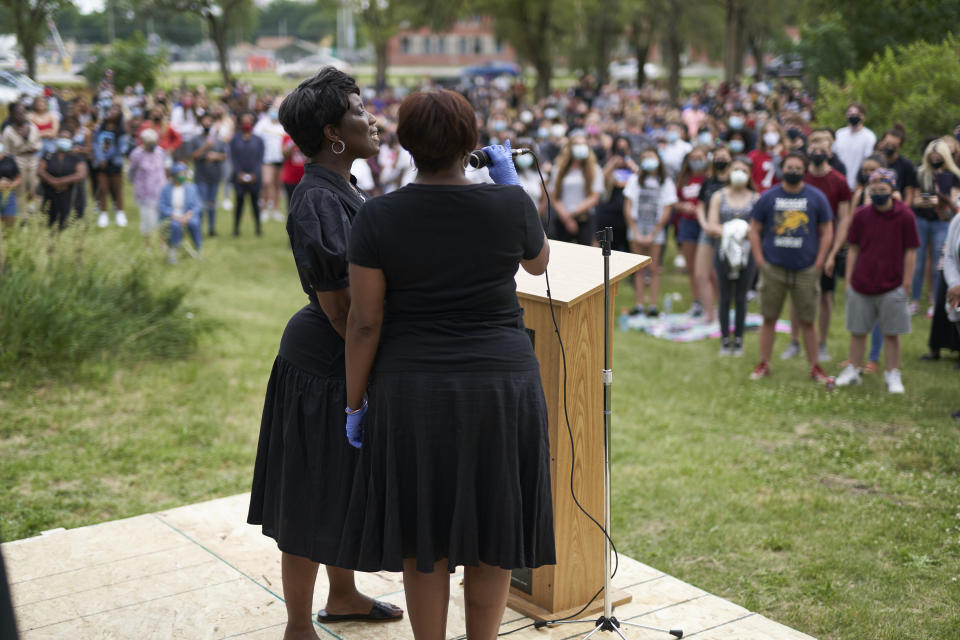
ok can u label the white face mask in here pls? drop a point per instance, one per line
(558, 130)
(771, 138)
(738, 178)
(580, 151)
(524, 161)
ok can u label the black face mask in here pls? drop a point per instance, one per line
(818, 158)
(792, 178)
(889, 151)
(936, 165)
(854, 120)
(720, 165)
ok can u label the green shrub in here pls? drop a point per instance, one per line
(87, 297)
(130, 61)
(915, 85)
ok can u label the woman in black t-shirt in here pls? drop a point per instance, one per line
(454, 464)
(304, 467)
(62, 174)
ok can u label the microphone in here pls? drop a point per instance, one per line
(480, 158)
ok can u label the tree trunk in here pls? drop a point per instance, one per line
(380, 51)
(544, 69)
(218, 33)
(756, 47)
(27, 35)
(673, 44)
(741, 49)
(640, 43)
(29, 49)
(731, 36)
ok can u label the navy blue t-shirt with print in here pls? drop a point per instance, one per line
(790, 220)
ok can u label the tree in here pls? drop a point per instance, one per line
(915, 85)
(221, 17)
(845, 35)
(130, 61)
(30, 24)
(644, 19)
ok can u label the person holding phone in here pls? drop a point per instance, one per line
(934, 204)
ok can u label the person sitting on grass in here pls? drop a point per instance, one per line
(180, 202)
(883, 243)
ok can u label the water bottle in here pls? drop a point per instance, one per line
(667, 303)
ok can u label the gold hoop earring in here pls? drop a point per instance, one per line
(343, 147)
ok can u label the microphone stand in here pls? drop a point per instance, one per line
(607, 622)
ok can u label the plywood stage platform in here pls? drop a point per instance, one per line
(200, 572)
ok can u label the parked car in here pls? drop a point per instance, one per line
(785, 66)
(308, 66)
(626, 70)
(13, 84)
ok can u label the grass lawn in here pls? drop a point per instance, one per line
(835, 513)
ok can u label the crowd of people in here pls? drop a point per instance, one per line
(698, 171)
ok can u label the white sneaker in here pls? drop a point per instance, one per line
(725, 350)
(894, 383)
(227, 204)
(792, 351)
(823, 355)
(103, 219)
(850, 375)
(121, 219)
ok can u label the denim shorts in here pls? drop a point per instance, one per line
(8, 205)
(688, 230)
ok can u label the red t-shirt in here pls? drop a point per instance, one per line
(690, 193)
(763, 175)
(292, 170)
(883, 238)
(834, 186)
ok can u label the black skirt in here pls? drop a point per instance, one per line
(305, 466)
(943, 335)
(453, 466)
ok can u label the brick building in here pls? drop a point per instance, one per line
(470, 41)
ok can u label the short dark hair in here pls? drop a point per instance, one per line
(858, 106)
(436, 127)
(800, 155)
(315, 103)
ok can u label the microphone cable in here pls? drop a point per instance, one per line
(539, 624)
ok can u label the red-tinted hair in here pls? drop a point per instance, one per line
(437, 127)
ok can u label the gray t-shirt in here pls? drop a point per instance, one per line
(204, 170)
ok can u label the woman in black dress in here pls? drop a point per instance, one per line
(62, 174)
(304, 467)
(454, 466)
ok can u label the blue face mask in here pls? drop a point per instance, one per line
(705, 138)
(524, 161)
(736, 146)
(880, 199)
(274, 115)
(672, 136)
(735, 122)
(499, 125)
(543, 132)
(64, 144)
(649, 164)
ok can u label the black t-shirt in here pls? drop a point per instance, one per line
(709, 187)
(906, 173)
(449, 254)
(8, 167)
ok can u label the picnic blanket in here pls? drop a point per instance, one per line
(682, 327)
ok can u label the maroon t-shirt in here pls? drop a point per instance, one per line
(834, 186)
(883, 238)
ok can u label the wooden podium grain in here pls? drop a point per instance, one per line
(576, 283)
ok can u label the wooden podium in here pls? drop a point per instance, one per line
(576, 283)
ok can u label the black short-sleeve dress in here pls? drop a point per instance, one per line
(304, 466)
(455, 456)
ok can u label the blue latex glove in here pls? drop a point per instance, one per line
(355, 424)
(501, 166)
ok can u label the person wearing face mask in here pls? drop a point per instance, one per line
(246, 153)
(834, 186)
(180, 203)
(209, 153)
(854, 142)
(168, 137)
(737, 125)
(706, 137)
(21, 139)
(826, 134)
(889, 146)
(10, 179)
(934, 204)
(649, 196)
(269, 129)
(736, 143)
(185, 116)
(690, 180)
(675, 150)
(61, 173)
(616, 172)
(530, 179)
(733, 202)
(718, 176)
(790, 237)
(767, 156)
(147, 173)
(110, 146)
(575, 189)
(883, 244)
